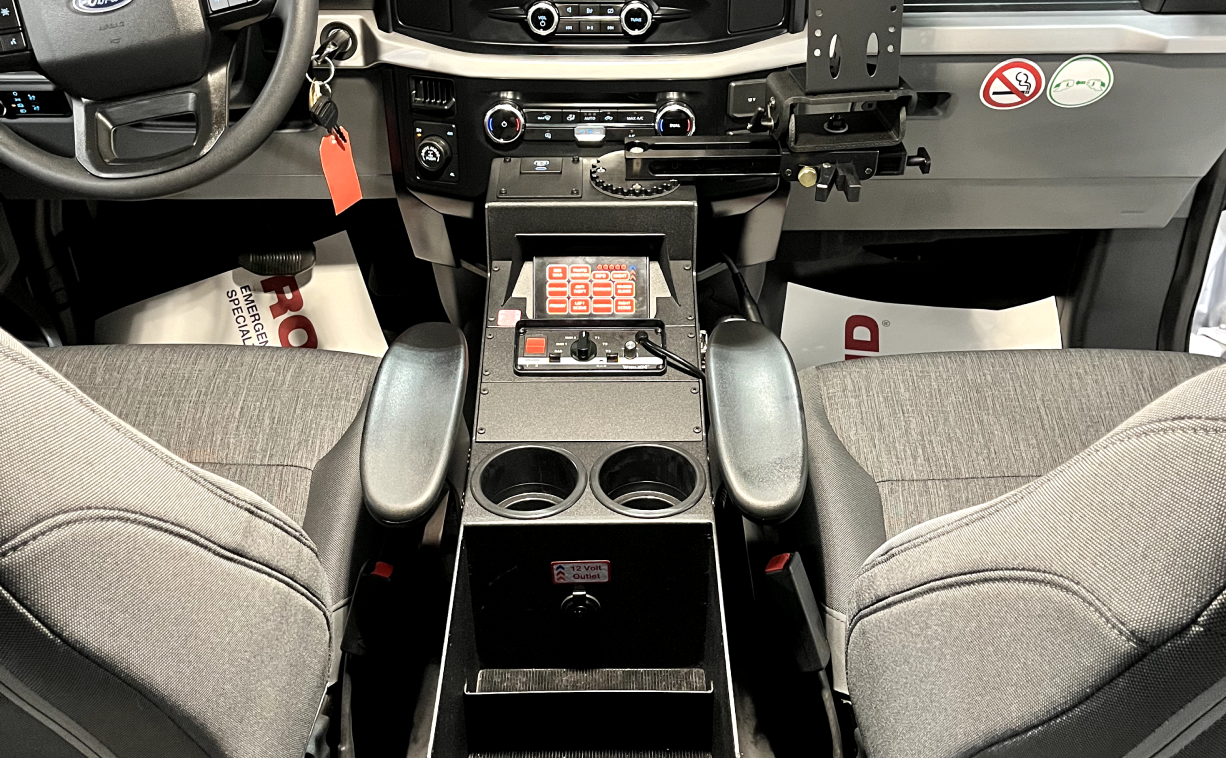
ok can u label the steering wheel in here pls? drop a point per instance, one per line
(122, 62)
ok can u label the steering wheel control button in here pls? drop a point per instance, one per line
(504, 123)
(675, 119)
(636, 19)
(543, 19)
(8, 15)
(13, 42)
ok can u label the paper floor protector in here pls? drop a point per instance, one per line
(820, 327)
(326, 308)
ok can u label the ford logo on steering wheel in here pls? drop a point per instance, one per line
(98, 6)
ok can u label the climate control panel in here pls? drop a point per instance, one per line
(507, 122)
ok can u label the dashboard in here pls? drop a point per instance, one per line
(495, 88)
(436, 91)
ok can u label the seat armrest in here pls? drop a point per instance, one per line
(415, 423)
(758, 437)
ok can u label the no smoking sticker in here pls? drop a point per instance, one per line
(1080, 81)
(1012, 84)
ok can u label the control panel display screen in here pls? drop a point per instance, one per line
(600, 287)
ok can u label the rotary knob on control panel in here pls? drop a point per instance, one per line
(433, 154)
(584, 348)
(675, 119)
(504, 123)
(636, 18)
(543, 18)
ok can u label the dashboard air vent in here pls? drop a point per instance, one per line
(430, 94)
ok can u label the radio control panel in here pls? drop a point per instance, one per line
(546, 18)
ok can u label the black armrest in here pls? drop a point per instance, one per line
(757, 420)
(415, 428)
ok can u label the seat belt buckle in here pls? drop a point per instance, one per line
(794, 611)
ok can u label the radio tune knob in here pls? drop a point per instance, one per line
(504, 123)
(636, 18)
(675, 119)
(543, 19)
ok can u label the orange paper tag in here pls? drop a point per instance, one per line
(339, 171)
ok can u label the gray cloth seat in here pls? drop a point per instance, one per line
(1023, 553)
(180, 528)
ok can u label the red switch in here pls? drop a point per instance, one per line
(534, 346)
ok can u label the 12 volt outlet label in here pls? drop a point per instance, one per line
(580, 572)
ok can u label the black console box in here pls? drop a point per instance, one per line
(587, 611)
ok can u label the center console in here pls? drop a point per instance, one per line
(587, 612)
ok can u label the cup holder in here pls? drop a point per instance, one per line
(648, 481)
(528, 482)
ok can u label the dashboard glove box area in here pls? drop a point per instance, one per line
(757, 438)
(415, 433)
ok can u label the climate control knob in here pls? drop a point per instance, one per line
(504, 123)
(636, 18)
(433, 154)
(543, 18)
(675, 119)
